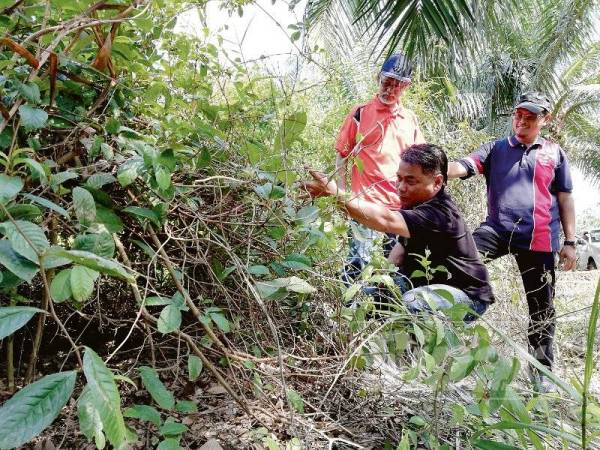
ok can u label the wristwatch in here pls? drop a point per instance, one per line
(571, 243)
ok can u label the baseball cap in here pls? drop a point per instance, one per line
(397, 66)
(534, 102)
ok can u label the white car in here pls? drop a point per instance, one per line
(588, 250)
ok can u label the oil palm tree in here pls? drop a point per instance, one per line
(480, 55)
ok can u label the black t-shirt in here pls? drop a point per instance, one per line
(438, 226)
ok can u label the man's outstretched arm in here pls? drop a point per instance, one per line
(372, 215)
(456, 170)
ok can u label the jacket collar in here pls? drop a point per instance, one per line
(514, 142)
(395, 110)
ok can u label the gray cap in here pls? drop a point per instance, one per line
(534, 102)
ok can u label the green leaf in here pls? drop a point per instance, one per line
(144, 412)
(158, 301)
(144, 213)
(195, 366)
(221, 321)
(85, 206)
(170, 319)
(297, 261)
(109, 219)
(484, 444)
(9, 188)
(290, 130)
(418, 421)
(295, 400)
(14, 317)
(156, 388)
(258, 270)
(163, 177)
(22, 211)
(60, 288)
(82, 282)
(59, 178)
(47, 204)
(90, 422)
(21, 233)
(32, 118)
(270, 191)
(171, 429)
(37, 170)
(21, 267)
(98, 180)
(169, 444)
(129, 171)
(105, 397)
(186, 407)
(94, 262)
(112, 125)
(307, 215)
(462, 366)
(30, 92)
(100, 244)
(27, 413)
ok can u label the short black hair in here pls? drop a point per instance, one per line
(431, 158)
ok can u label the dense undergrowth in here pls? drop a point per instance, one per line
(151, 231)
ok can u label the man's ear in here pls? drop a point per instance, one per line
(438, 181)
(548, 118)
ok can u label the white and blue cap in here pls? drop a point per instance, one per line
(397, 66)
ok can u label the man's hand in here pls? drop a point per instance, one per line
(321, 186)
(568, 257)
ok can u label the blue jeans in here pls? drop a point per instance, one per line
(362, 244)
(419, 299)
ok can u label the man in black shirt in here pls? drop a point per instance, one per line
(433, 225)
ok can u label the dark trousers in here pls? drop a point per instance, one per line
(537, 273)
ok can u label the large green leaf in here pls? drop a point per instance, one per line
(33, 408)
(47, 204)
(22, 235)
(169, 319)
(105, 397)
(9, 188)
(100, 244)
(59, 178)
(144, 213)
(30, 92)
(156, 388)
(14, 317)
(60, 288)
(98, 180)
(21, 267)
(82, 282)
(144, 412)
(85, 206)
(32, 118)
(129, 171)
(109, 219)
(21, 211)
(94, 262)
(90, 422)
(195, 366)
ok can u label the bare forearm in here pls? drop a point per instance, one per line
(372, 215)
(456, 170)
(566, 210)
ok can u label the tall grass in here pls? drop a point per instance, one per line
(589, 363)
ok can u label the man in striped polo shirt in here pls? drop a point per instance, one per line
(529, 197)
(370, 141)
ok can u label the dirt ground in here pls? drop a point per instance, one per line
(370, 420)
